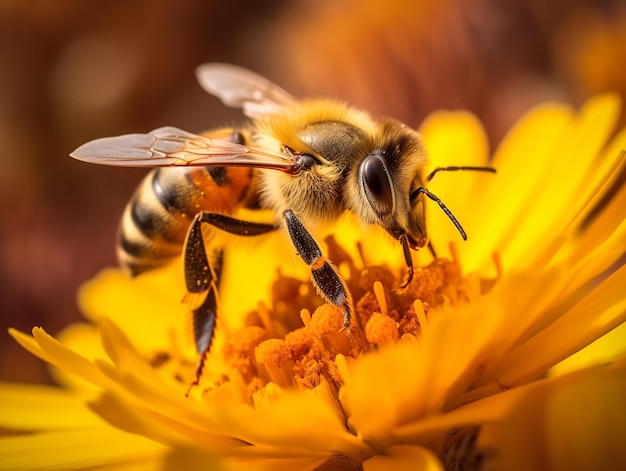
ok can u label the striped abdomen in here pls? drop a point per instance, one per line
(156, 220)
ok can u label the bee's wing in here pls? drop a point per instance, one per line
(170, 146)
(239, 88)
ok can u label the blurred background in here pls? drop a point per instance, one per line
(72, 71)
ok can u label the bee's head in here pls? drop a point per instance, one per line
(392, 169)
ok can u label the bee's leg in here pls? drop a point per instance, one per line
(329, 284)
(406, 250)
(201, 279)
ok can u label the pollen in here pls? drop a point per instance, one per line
(275, 361)
(381, 330)
(294, 342)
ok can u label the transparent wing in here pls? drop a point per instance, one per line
(170, 146)
(239, 88)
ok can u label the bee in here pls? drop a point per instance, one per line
(308, 161)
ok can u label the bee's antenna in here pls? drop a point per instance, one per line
(436, 199)
(454, 168)
(424, 190)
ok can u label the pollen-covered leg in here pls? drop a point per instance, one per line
(201, 282)
(201, 279)
(203, 326)
(329, 284)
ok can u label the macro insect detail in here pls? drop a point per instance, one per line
(307, 161)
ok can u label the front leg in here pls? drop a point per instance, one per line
(329, 284)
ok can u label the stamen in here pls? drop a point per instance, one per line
(239, 353)
(426, 282)
(300, 342)
(326, 324)
(266, 319)
(379, 292)
(473, 291)
(381, 330)
(275, 357)
(305, 315)
(420, 312)
(454, 251)
(342, 366)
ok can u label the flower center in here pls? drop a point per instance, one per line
(292, 348)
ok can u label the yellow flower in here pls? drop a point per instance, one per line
(468, 367)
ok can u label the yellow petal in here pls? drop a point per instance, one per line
(318, 431)
(520, 160)
(47, 348)
(575, 422)
(559, 195)
(606, 349)
(571, 332)
(572, 422)
(89, 448)
(85, 340)
(413, 379)
(194, 458)
(454, 139)
(432, 430)
(404, 458)
(603, 239)
(148, 307)
(159, 425)
(38, 407)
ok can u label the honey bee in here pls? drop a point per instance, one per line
(307, 161)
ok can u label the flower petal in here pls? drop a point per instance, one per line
(90, 448)
(498, 207)
(47, 348)
(404, 458)
(38, 407)
(147, 307)
(319, 431)
(558, 197)
(413, 379)
(604, 350)
(454, 138)
(549, 346)
(576, 421)
(85, 340)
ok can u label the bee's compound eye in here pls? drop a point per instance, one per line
(376, 184)
(307, 161)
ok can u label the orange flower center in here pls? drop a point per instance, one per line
(291, 347)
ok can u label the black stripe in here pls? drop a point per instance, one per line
(170, 195)
(147, 249)
(238, 138)
(145, 219)
(139, 267)
(155, 224)
(134, 248)
(219, 175)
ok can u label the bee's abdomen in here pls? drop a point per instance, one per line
(156, 220)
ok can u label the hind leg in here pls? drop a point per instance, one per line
(201, 279)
